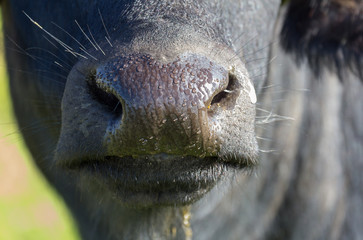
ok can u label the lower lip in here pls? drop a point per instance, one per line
(139, 182)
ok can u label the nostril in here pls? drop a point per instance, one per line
(219, 97)
(226, 93)
(110, 101)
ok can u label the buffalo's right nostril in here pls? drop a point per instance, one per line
(107, 99)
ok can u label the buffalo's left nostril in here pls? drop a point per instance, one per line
(226, 97)
(224, 93)
(107, 99)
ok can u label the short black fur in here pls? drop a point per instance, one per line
(329, 33)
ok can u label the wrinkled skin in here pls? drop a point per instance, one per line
(151, 117)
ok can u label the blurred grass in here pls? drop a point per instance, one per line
(29, 207)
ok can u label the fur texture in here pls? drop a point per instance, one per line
(326, 32)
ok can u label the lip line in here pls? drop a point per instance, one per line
(163, 159)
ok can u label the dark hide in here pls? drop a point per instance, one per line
(326, 32)
(173, 154)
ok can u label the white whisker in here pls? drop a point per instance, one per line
(104, 26)
(85, 34)
(98, 46)
(68, 48)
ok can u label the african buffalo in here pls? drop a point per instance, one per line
(152, 117)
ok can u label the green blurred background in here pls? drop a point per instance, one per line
(29, 207)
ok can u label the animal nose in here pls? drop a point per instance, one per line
(159, 107)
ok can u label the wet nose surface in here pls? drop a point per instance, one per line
(163, 107)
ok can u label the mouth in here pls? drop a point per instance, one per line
(157, 180)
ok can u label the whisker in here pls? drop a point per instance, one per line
(109, 41)
(70, 35)
(77, 54)
(86, 52)
(57, 63)
(90, 55)
(68, 48)
(50, 42)
(271, 86)
(264, 139)
(256, 60)
(240, 50)
(85, 34)
(104, 26)
(20, 48)
(259, 50)
(49, 52)
(61, 52)
(267, 151)
(272, 118)
(98, 46)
